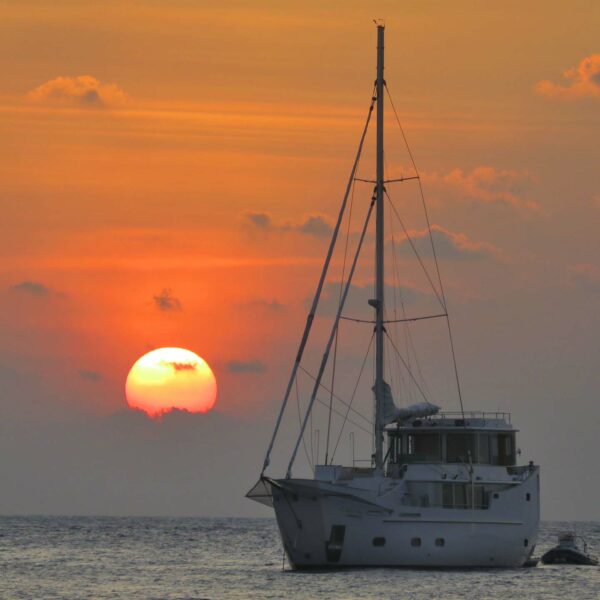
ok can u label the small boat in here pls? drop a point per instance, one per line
(567, 552)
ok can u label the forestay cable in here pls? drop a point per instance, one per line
(315, 303)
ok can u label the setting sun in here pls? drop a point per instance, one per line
(171, 378)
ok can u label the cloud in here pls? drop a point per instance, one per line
(316, 224)
(586, 276)
(487, 185)
(82, 91)
(583, 81)
(250, 366)
(180, 366)
(261, 304)
(259, 219)
(33, 288)
(90, 375)
(165, 301)
(448, 245)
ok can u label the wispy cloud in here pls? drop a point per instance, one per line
(248, 366)
(487, 185)
(582, 81)
(166, 302)
(261, 304)
(32, 288)
(83, 91)
(586, 276)
(315, 224)
(448, 244)
(90, 375)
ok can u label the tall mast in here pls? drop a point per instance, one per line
(379, 258)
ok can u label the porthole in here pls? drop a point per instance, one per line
(496, 496)
(379, 541)
(528, 497)
(440, 542)
(416, 541)
(525, 542)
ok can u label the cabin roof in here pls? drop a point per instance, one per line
(449, 421)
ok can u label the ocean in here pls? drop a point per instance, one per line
(193, 558)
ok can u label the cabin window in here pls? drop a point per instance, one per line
(423, 447)
(464, 495)
(483, 449)
(440, 542)
(502, 449)
(525, 542)
(416, 541)
(528, 497)
(460, 447)
(379, 541)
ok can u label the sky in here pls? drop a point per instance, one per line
(169, 176)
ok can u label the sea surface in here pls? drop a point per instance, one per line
(106, 557)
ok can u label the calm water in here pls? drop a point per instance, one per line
(102, 557)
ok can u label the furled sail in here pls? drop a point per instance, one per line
(390, 412)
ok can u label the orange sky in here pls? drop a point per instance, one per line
(202, 148)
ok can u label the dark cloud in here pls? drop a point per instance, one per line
(447, 245)
(314, 224)
(180, 366)
(250, 366)
(90, 375)
(259, 220)
(165, 301)
(33, 288)
(586, 276)
(261, 304)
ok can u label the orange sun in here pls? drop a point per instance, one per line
(169, 378)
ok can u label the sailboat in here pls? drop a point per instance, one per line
(443, 489)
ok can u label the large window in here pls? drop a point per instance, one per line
(483, 449)
(463, 495)
(423, 447)
(460, 447)
(504, 450)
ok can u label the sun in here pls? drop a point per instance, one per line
(171, 378)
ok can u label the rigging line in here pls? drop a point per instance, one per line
(332, 334)
(395, 289)
(337, 333)
(311, 314)
(437, 267)
(362, 367)
(426, 212)
(346, 404)
(361, 427)
(406, 330)
(406, 367)
(414, 249)
(412, 319)
(408, 339)
(308, 460)
(406, 320)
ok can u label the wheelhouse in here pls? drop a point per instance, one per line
(479, 438)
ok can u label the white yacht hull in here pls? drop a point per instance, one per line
(322, 529)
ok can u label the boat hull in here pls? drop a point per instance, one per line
(328, 530)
